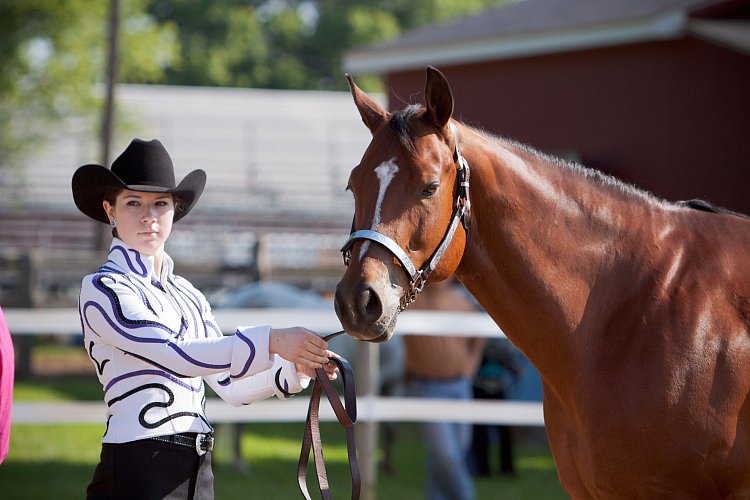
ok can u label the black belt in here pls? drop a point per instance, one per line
(201, 443)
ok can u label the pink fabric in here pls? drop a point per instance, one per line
(7, 367)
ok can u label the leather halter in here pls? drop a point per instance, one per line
(418, 278)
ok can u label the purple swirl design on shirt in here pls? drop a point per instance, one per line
(189, 298)
(135, 324)
(156, 404)
(250, 358)
(185, 311)
(211, 326)
(228, 379)
(149, 324)
(158, 373)
(142, 272)
(285, 389)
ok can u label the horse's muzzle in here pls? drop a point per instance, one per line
(365, 312)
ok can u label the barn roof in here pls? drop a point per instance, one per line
(533, 27)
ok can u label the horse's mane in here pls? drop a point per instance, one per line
(608, 180)
(590, 173)
(400, 124)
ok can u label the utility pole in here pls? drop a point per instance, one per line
(108, 114)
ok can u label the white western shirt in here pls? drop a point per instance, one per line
(154, 341)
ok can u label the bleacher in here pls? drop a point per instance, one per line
(277, 165)
(270, 152)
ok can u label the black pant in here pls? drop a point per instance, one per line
(151, 470)
(480, 445)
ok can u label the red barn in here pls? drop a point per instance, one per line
(655, 92)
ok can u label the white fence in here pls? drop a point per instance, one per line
(370, 408)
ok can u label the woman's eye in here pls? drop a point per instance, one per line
(431, 189)
(133, 203)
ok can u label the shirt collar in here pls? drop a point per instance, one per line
(134, 262)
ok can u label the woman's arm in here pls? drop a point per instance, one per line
(282, 380)
(114, 311)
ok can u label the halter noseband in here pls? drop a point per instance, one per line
(418, 278)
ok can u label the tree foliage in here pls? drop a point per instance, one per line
(53, 52)
(53, 56)
(287, 44)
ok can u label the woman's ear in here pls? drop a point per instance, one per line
(108, 209)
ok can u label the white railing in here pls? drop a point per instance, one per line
(23, 322)
(370, 407)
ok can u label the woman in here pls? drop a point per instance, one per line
(153, 340)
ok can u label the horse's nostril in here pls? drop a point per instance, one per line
(369, 305)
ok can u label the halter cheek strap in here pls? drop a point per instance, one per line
(418, 278)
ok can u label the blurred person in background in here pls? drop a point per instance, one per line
(7, 367)
(443, 367)
(154, 341)
(499, 370)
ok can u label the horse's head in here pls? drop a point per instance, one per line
(409, 196)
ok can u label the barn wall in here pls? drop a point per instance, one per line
(670, 117)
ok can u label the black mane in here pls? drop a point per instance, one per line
(400, 125)
(705, 206)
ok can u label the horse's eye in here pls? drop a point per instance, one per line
(430, 189)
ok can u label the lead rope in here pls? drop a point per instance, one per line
(346, 413)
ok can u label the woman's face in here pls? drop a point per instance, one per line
(144, 220)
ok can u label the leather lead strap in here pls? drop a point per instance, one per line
(346, 414)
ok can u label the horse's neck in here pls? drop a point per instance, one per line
(540, 238)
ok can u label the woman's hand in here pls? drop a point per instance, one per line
(330, 368)
(300, 346)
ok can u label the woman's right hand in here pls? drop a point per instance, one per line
(300, 346)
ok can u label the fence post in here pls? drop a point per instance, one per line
(367, 367)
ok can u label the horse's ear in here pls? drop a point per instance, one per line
(438, 98)
(372, 113)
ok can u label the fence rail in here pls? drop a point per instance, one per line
(371, 408)
(65, 322)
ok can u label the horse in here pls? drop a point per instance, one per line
(635, 310)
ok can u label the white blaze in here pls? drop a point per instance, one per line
(385, 172)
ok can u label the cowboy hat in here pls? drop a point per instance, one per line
(144, 166)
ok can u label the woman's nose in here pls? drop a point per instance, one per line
(149, 214)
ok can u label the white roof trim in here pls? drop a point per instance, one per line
(732, 34)
(375, 60)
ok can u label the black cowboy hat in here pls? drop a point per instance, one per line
(144, 166)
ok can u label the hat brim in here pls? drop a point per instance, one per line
(92, 182)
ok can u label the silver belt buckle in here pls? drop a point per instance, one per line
(204, 443)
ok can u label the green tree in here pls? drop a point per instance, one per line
(53, 52)
(53, 56)
(288, 44)
(220, 43)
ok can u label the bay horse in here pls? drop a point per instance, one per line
(635, 310)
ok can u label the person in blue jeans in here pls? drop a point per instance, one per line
(440, 367)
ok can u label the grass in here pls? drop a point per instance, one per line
(56, 461)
